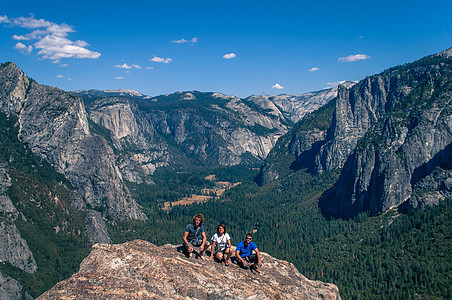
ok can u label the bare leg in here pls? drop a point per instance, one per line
(220, 256)
(229, 253)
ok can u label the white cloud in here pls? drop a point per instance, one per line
(31, 22)
(119, 77)
(277, 86)
(184, 41)
(51, 39)
(150, 68)
(63, 65)
(355, 57)
(125, 66)
(161, 60)
(229, 55)
(34, 35)
(60, 76)
(55, 47)
(23, 48)
(314, 69)
(137, 67)
(4, 19)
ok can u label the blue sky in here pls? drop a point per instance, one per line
(238, 48)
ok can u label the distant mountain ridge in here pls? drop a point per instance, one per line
(110, 93)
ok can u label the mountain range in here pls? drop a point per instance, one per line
(71, 162)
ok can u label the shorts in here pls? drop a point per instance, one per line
(218, 250)
(195, 243)
(252, 258)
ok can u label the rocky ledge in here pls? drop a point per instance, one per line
(141, 270)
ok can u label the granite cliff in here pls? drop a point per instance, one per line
(141, 270)
(55, 125)
(390, 131)
(386, 133)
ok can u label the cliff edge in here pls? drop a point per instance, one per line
(141, 270)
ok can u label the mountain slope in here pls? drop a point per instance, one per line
(54, 124)
(386, 134)
(390, 131)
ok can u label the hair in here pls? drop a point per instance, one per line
(200, 216)
(221, 225)
(248, 235)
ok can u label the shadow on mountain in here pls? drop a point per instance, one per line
(327, 202)
(442, 159)
(307, 158)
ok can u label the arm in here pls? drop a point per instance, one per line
(258, 255)
(204, 239)
(211, 250)
(186, 242)
(237, 253)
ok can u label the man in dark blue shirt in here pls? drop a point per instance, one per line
(195, 236)
(245, 255)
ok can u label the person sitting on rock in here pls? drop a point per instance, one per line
(245, 253)
(195, 236)
(221, 245)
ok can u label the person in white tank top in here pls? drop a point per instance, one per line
(221, 245)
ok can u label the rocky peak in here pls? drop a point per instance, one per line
(141, 270)
(389, 132)
(15, 89)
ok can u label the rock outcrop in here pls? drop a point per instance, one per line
(141, 270)
(9, 288)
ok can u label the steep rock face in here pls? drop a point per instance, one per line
(297, 148)
(96, 228)
(13, 247)
(141, 270)
(432, 189)
(141, 150)
(357, 108)
(390, 131)
(10, 288)
(55, 126)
